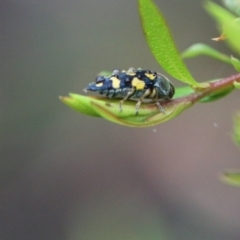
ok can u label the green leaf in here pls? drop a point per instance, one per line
(228, 21)
(161, 43)
(236, 84)
(217, 94)
(183, 91)
(236, 129)
(149, 114)
(203, 49)
(79, 103)
(105, 73)
(235, 63)
(233, 5)
(232, 178)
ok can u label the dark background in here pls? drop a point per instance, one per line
(69, 176)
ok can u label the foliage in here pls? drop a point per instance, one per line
(163, 48)
(233, 177)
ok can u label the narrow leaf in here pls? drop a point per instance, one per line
(235, 63)
(217, 94)
(79, 103)
(236, 129)
(236, 84)
(104, 73)
(203, 49)
(229, 23)
(183, 91)
(161, 43)
(149, 113)
(232, 178)
(233, 5)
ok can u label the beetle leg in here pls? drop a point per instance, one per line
(146, 93)
(159, 105)
(131, 91)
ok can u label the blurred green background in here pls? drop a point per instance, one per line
(68, 176)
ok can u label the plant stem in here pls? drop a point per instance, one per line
(224, 84)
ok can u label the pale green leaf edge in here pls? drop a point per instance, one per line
(199, 49)
(161, 43)
(231, 178)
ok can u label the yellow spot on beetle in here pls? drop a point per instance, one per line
(150, 76)
(138, 84)
(99, 84)
(115, 82)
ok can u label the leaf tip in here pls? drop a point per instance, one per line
(231, 177)
(65, 99)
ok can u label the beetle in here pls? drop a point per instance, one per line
(134, 84)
